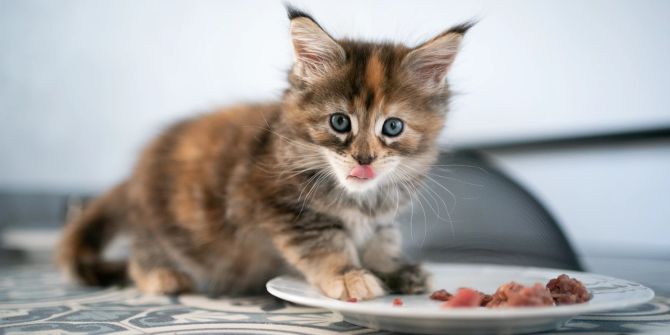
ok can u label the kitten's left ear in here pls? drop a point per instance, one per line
(316, 53)
(429, 62)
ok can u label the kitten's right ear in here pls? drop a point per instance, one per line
(316, 53)
(429, 62)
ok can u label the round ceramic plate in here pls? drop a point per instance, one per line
(419, 314)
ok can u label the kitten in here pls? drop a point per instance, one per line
(309, 185)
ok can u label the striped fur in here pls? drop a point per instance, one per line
(223, 202)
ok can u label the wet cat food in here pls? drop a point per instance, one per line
(561, 290)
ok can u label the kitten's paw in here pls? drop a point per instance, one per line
(408, 279)
(163, 281)
(361, 284)
(354, 284)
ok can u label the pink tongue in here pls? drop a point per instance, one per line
(363, 172)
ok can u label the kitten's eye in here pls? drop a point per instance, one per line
(340, 123)
(392, 127)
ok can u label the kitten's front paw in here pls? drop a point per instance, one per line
(408, 279)
(354, 284)
(162, 281)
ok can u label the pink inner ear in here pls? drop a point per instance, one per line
(305, 55)
(308, 59)
(314, 49)
(434, 70)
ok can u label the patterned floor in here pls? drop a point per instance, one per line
(35, 300)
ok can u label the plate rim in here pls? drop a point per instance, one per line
(448, 314)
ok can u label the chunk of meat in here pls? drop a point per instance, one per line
(567, 291)
(464, 297)
(516, 295)
(486, 299)
(561, 290)
(441, 295)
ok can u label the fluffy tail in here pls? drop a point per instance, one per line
(85, 237)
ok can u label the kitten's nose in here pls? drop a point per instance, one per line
(364, 159)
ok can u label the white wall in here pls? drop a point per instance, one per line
(552, 68)
(85, 83)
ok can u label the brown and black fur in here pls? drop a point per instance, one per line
(223, 202)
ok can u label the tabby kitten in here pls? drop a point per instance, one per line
(223, 202)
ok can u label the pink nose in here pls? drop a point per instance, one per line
(363, 172)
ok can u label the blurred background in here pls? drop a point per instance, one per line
(567, 98)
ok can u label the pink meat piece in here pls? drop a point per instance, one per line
(516, 295)
(464, 297)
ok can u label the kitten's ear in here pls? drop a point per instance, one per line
(315, 51)
(429, 62)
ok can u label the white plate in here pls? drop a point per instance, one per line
(419, 314)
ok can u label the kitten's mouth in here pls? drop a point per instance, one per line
(362, 173)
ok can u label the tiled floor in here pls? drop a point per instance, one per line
(34, 299)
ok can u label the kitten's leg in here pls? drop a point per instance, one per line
(320, 248)
(383, 255)
(153, 272)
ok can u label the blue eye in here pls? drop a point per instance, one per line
(340, 123)
(393, 127)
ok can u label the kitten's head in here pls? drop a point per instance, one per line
(370, 112)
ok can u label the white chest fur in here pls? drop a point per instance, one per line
(361, 230)
(360, 227)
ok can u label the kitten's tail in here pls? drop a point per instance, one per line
(87, 234)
